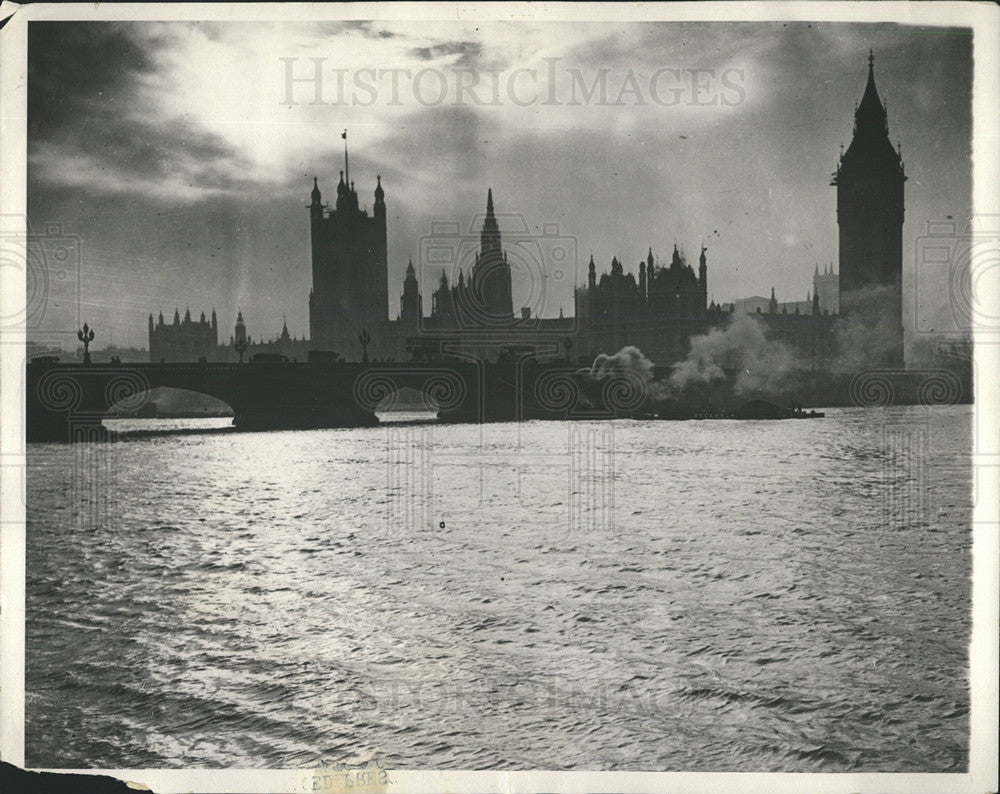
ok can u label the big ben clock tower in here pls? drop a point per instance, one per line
(869, 181)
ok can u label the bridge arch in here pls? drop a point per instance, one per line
(170, 401)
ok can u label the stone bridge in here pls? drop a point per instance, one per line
(66, 402)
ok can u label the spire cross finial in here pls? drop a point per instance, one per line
(347, 167)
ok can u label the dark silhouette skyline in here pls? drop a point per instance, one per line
(214, 213)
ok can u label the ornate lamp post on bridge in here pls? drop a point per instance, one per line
(240, 345)
(86, 335)
(365, 340)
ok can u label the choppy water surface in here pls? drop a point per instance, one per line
(757, 596)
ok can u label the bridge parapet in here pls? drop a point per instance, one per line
(281, 395)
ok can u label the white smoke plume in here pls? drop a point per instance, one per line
(743, 353)
(763, 365)
(629, 358)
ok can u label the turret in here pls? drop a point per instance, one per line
(177, 316)
(215, 321)
(642, 279)
(591, 274)
(410, 302)
(703, 269)
(316, 204)
(772, 305)
(241, 329)
(379, 198)
(343, 194)
(816, 304)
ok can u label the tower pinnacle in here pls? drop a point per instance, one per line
(347, 168)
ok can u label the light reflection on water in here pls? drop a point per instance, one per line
(757, 596)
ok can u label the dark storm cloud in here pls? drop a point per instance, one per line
(75, 69)
(85, 113)
(469, 52)
(369, 30)
(135, 152)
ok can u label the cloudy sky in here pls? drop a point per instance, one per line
(182, 157)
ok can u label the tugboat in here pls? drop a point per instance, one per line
(755, 409)
(761, 409)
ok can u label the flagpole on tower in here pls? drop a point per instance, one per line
(347, 169)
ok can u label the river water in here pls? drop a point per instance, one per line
(753, 596)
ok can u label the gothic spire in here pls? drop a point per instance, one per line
(489, 203)
(870, 117)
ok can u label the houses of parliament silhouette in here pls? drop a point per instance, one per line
(472, 313)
